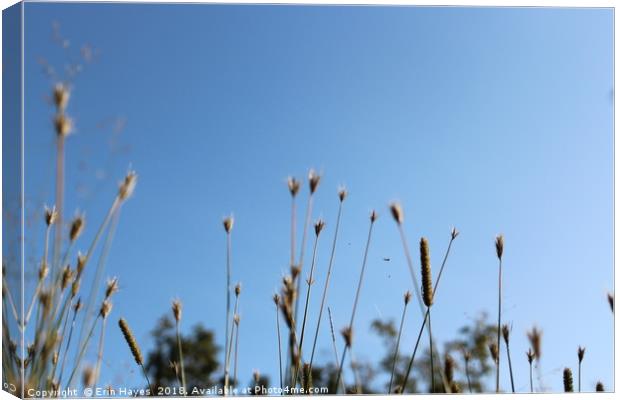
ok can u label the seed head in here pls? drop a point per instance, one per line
(373, 216)
(318, 227)
(46, 300)
(407, 297)
(494, 352)
(111, 287)
(237, 289)
(499, 246)
(55, 358)
(466, 356)
(397, 212)
(106, 307)
(535, 338)
(67, 274)
(61, 96)
(530, 356)
(63, 125)
(455, 387)
(506, 333)
(454, 233)
(449, 365)
(342, 193)
(88, 376)
(51, 215)
(427, 280)
(78, 305)
(228, 223)
(293, 185)
(131, 341)
(256, 375)
(77, 226)
(276, 299)
(43, 270)
(610, 300)
(237, 319)
(600, 387)
(75, 288)
(177, 310)
(581, 351)
(313, 180)
(347, 335)
(128, 185)
(81, 263)
(568, 380)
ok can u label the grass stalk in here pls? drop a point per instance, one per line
(407, 297)
(100, 352)
(276, 299)
(499, 248)
(333, 336)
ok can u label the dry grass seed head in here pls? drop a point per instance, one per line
(342, 193)
(66, 276)
(77, 226)
(407, 297)
(397, 212)
(177, 310)
(581, 351)
(106, 308)
(535, 338)
(318, 227)
(228, 223)
(313, 180)
(276, 299)
(43, 270)
(568, 380)
(427, 280)
(610, 300)
(454, 233)
(373, 216)
(530, 356)
(237, 319)
(63, 125)
(238, 289)
(51, 215)
(256, 375)
(293, 185)
(111, 287)
(600, 387)
(506, 333)
(75, 288)
(449, 365)
(131, 341)
(127, 186)
(499, 246)
(494, 351)
(347, 335)
(78, 305)
(61, 96)
(81, 263)
(88, 376)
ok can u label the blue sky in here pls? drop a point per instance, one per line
(491, 120)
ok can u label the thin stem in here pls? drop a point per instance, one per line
(81, 353)
(344, 355)
(279, 345)
(499, 325)
(229, 346)
(100, 352)
(181, 358)
(60, 178)
(325, 288)
(400, 331)
(579, 377)
(9, 296)
(228, 273)
(310, 283)
(303, 249)
(64, 358)
(293, 228)
(531, 380)
(415, 349)
(467, 375)
(358, 384)
(414, 278)
(512, 382)
(333, 335)
(148, 382)
(430, 339)
(236, 352)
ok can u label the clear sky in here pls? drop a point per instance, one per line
(491, 120)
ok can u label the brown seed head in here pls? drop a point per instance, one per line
(293, 186)
(111, 287)
(126, 188)
(397, 213)
(373, 216)
(454, 233)
(347, 335)
(78, 305)
(256, 375)
(318, 227)
(499, 246)
(61, 96)
(506, 333)
(610, 300)
(131, 341)
(55, 358)
(63, 125)
(568, 380)
(45, 299)
(276, 299)
(494, 352)
(75, 288)
(530, 356)
(342, 193)
(455, 387)
(81, 263)
(77, 226)
(407, 297)
(177, 310)
(106, 307)
(43, 270)
(51, 215)
(228, 223)
(88, 376)
(67, 274)
(600, 387)
(535, 338)
(313, 180)
(581, 351)
(237, 289)
(237, 319)
(427, 280)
